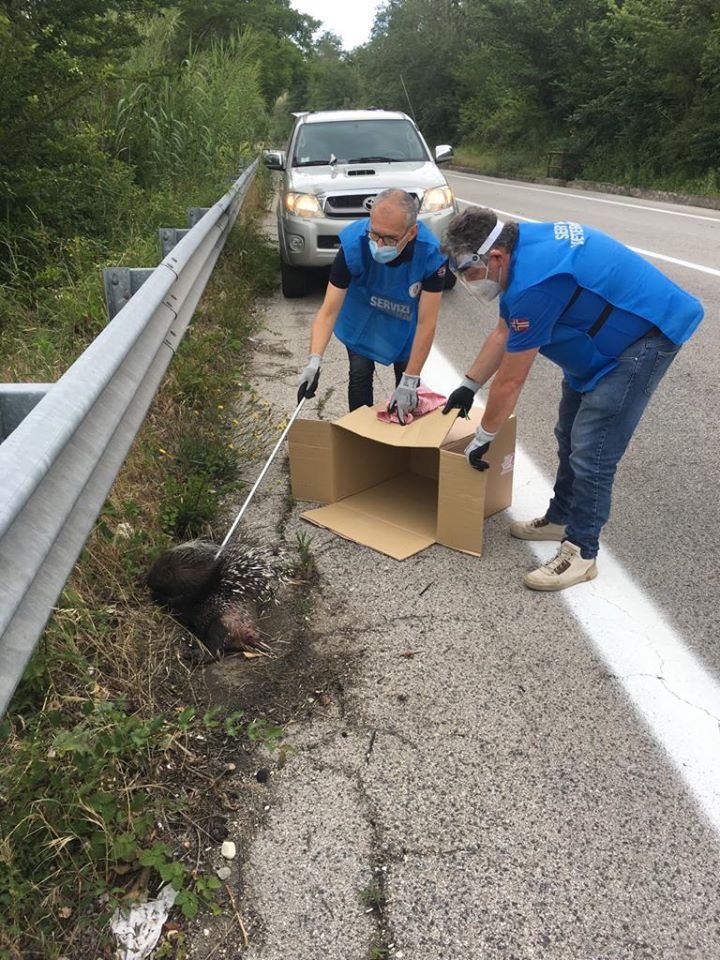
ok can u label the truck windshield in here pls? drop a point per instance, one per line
(357, 141)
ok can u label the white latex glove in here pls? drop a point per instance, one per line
(405, 398)
(308, 382)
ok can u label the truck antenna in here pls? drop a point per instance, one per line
(412, 112)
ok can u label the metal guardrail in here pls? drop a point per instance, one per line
(69, 439)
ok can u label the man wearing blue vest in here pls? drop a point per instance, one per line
(382, 302)
(609, 319)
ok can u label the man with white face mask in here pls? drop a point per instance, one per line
(613, 323)
(382, 302)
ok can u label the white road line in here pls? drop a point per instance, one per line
(643, 253)
(583, 196)
(673, 692)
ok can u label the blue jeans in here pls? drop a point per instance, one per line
(593, 431)
(360, 385)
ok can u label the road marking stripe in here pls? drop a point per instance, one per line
(582, 196)
(673, 692)
(644, 253)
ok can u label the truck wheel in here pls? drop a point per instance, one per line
(450, 279)
(293, 280)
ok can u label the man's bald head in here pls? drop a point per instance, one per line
(399, 199)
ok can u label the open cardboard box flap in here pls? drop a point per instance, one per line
(400, 489)
(429, 430)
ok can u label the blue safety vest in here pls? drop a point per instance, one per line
(378, 317)
(620, 276)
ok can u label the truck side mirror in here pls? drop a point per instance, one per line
(443, 153)
(274, 159)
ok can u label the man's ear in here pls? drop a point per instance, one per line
(413, 232)
(498, 255)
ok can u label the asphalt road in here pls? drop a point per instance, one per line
(540, 778)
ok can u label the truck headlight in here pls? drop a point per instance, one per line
(303, 204)
(437, 198)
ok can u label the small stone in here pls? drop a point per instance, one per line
(228, 850)
(229, 767)
(223, 873)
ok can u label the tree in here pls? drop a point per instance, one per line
(333, 80)
(410, 60)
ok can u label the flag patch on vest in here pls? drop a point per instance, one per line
(395, 308)
(520, 323)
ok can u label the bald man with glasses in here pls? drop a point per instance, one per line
(382, 302)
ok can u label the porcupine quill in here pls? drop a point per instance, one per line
(213, 590)
(216, 597)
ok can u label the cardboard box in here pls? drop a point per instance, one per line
(400, 489)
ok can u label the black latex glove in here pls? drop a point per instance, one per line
(475, 458)
(460, 399)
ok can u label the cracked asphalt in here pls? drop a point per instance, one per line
(481, 767)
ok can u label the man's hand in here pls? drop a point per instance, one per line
(309, 378)
(478, 447)
(462, 397)
(405, 398)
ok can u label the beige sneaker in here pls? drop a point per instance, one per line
(538, 529)
(565, 569)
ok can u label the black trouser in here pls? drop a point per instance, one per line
(360, 385)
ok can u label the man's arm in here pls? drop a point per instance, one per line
(324, 321)
(428, 310)
(506, 388)
(488, 361)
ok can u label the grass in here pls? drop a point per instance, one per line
(102, 784)
(499, 163)
(372, 897)
(304, 567)
(529, 165)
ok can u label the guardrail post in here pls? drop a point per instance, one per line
(16, 402)
(195, 213)
(120, 284)
(169, 236)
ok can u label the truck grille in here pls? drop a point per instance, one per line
(347, 206)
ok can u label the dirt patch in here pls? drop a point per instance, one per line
(294, 682)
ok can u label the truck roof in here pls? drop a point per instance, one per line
(326, 116)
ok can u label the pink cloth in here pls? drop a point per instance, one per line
(427, 401)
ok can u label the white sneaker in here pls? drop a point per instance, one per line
(565, 569)
(538, 529)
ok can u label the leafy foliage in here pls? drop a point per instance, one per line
(631, 87)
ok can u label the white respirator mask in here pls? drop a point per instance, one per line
(484, 290)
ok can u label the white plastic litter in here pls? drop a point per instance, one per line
(138, 929)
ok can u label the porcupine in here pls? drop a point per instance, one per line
(217, 599)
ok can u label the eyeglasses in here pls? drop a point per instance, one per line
(460, 265)
(387, 241)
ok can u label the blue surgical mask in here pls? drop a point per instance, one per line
(382, 254)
